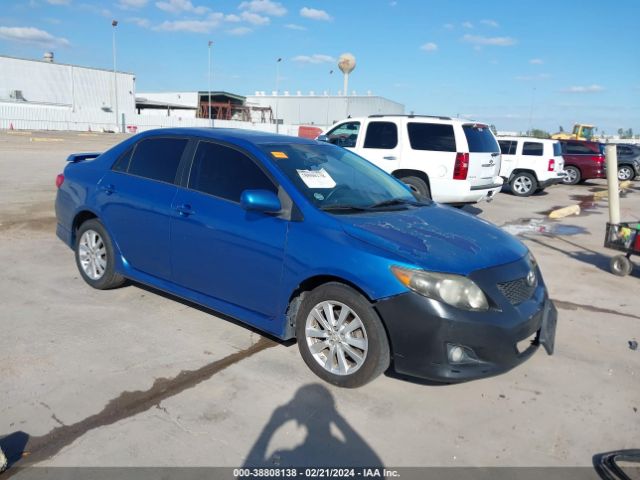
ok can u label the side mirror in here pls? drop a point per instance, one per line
(323, 138)
(260, 201)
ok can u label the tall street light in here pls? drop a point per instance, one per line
(209, 99)
(277, 92)
(114, 24)
(329, 99)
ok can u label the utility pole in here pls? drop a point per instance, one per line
(277, 92)
(209, 98)
(114, 24)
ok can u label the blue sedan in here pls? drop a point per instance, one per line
(306, 240)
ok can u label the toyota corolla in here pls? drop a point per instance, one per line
(307, 240)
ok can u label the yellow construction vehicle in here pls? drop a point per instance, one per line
(581, 131)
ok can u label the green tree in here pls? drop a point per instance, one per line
(538, 133)
(560, 129)
(493, 129)
(621, 132)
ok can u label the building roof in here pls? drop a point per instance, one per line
(145, 102)
(65, 64)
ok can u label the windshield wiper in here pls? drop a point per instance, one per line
(343, 207)
(396, 201)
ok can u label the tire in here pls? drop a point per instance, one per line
(367, 339)
(418, 186)
(621, 265)
(626, 172)
(95, 256)
(573, 175)
(523, 184)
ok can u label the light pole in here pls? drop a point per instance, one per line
(277, 95)
(209, 98)
(329, 100)
(114, 24)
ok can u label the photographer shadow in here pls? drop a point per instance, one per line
(314, 408)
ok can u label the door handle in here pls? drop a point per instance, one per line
(184, 210)
(390, 158)
(108, 189)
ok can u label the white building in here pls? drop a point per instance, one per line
(67, 87)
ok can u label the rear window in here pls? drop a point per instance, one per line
(507, 147)
(480, 139)
(157, 158)
(383, 135)
(576, 148)
(557, 149)
(432, 136)
(532, 148)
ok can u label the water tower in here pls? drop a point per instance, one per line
(346, 64)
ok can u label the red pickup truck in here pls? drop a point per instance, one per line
(582, 161)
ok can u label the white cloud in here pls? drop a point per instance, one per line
(467, 25)
(193, 26)
(32, 35)
(314, 14)
(536, 61)
(315, 58)
(238, 31)
(448, 26)
(265, 7)
(58, 2)
(293, 26)
(490, 23)
(181, 6)
(479, 40)
(254, 18)
(393, 3)
(105, 12)
(584, 89)
(232, 18)
(429, 47)
(141, 22)
(132, 4)
(539, 76)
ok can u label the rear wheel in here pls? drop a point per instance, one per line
(418, 186)
(95, 256)
(621, 265)
(523, 184)
(572, 176)
(340, 336)
(626, 172)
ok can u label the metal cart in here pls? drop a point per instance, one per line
(624, 237)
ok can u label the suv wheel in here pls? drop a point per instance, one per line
(625, 172)
(523, 184)
(417, 186)
(340, 336)
(572, 176)
(95, 256)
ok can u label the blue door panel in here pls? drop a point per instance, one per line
(136, 212)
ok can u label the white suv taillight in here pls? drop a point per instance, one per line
(552, 165)
(461, 167)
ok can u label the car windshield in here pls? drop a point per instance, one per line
(335, 179)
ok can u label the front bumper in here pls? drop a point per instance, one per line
(421, 330)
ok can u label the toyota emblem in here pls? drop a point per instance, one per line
(531, 278)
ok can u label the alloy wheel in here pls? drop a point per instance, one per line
(625, 173)
(522, 185)
(92, 253)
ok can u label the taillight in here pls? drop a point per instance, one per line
(600, 158)
(552, 165)
(59, 180)
(461, 168)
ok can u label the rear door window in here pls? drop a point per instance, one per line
(226, 172)
(557, 149)
(532, 148)
(437, 137)
(345, 135)
(381, 135)
(507, 147)
(157, 158)
(575, 148)
(480, 139)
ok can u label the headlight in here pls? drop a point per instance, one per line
(455, 290)
(532, 261)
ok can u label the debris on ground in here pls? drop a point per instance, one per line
(565, 211)
(633, 345)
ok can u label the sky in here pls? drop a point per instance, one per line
(515, 64)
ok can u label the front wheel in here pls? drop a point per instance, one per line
(523, 184)
(572, 176)
(340, 336)
(95, 256)
(625, 172)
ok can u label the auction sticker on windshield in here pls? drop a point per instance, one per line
(316, 178)
(279, 155)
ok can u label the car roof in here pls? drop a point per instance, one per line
(230, 135)
(414, 118)
(526, 139)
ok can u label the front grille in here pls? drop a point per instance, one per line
(517, 291)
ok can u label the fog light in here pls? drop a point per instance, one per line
(456, 354)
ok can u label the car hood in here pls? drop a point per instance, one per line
(436, 238)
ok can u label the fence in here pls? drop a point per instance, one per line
(40, 117)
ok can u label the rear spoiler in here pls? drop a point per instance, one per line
(81, 157)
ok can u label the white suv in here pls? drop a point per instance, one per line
(449, 160)
(530, 164)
